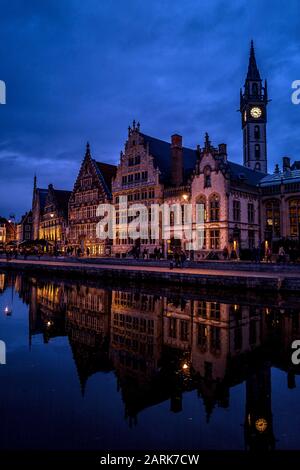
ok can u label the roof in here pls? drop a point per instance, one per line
(288, 176)
(42, 194)
(106, 172)
(62, 198)
(253, 72)
(161, 152)
(244, 175)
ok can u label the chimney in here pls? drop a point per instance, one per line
(176, 160)
(223, 152)
(286, 163)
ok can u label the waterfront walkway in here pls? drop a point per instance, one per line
(263, 277)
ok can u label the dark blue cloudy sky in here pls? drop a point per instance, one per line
(82, 70)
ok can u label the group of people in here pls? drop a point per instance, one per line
(177, 259)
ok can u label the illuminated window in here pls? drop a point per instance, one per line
(294, 216)
(273, 217)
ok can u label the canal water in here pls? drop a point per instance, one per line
(100, 367)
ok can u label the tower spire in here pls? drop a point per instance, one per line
(253, 72)
(88, 150)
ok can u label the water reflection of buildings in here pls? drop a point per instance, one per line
(162, 345)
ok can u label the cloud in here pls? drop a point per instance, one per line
(82, 71)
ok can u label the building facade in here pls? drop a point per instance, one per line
(25, 228)
(280, 203)
(232, 206)
(54, 218)
(92, 187)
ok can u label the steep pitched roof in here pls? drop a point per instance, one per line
(288, 176)
(42, 195)
(242, 174)
(253, 72)
(106, 172)
(62, 198)
(161, 152)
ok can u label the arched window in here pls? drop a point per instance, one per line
(254, 89)
(257, 166)
(257, 132)
(207, 177)
(214, 207)
(273, 217)
(294, 216)
(257, 152)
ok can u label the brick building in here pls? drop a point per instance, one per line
(92, 187)
(54, 217)
(25, 228)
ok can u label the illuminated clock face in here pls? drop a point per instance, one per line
(261, 424)
(255, 112)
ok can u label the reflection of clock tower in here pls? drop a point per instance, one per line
(253, 108)
(258, 421)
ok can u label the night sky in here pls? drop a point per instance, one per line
(83, 70)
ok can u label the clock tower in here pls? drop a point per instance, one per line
(253, 108)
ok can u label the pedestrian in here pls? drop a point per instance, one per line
(225, 253)
(281, 255)
(268, 255)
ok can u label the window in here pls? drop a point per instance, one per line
(137, 196)
(151, 194)
(257, 132)
(137, 160)
(124, 180)
(214, 208)
(214, 239)
(257, 166)
(137, 177)
(250, 213)
(200, 210)
(202, 308)
(294, 216)
(236, 211)
(184, 330)
(215, 311)
(215, 338)
(172, 328)
(257, 152)
(273, 217)
(207, 177)
(130, 161)
(202, 335)
(144, 175)
(251, 239)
